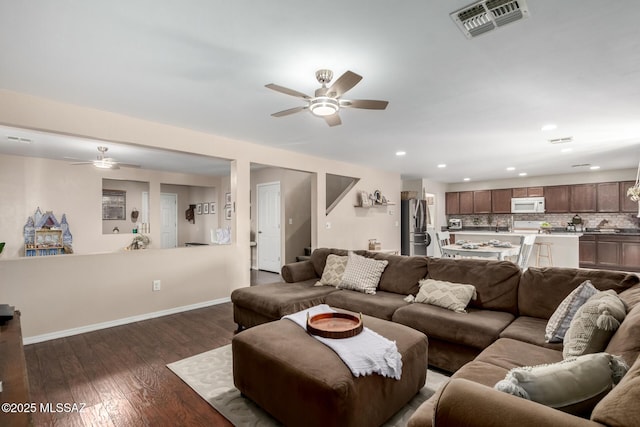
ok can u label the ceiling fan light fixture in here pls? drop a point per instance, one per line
(323, 106)
(103, 164)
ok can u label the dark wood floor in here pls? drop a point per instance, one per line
(120, 373)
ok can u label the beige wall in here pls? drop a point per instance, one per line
(76, 291)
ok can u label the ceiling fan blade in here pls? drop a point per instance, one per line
(289, 111)
(344, 83)
(333, 120)
(287, 91)
(369, 104)
(127, 165)
(82, 163)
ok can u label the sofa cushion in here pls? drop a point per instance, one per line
(508, 354)
(333, 270)
(620, 407)
(402, 274)
(530, 330)
(362, 274)
(452, 296)
(594, 324)
(541, 290)
(626, 340)
(572, 385)
(561, 318)
(382, 305)
(319, 258)
(277, 299)
(477, 328)
(496, 282)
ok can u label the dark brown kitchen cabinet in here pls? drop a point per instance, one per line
(501, 200)
(527, 192)
(556, 199)
(610, 251)
(608, 197)
(482, 201)
(452, 203)
(582, 198)
(466, 202)
(626, 204)
(587, 251)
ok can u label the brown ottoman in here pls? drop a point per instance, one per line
(300, 381)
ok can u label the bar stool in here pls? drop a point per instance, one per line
(544, 255)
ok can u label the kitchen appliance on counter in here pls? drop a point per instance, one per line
(527, 205)
(455, 224)
(417, 226)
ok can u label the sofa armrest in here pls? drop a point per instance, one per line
(298, 271)
(467, 403)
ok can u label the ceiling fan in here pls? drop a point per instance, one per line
(103, 162)
(327, 101)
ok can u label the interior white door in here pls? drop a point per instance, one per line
(169, 217)
(268, 226)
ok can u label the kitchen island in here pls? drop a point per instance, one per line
(564, 246)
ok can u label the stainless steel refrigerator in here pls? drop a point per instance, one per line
(415, 220)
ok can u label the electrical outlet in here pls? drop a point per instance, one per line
(156, 285)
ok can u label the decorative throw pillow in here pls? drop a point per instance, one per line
(570, 385)
(594, 324)
(333, 270)
(362, 274)
(452, 296)
(561, 318)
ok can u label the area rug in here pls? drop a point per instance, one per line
(210, 375)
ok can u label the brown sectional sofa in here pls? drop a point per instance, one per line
(502, 329)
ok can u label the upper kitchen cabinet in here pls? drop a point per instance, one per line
(556, 199)
(482, 201)
(466, 202)
(452, 203)
(501, 200)
(626, 204)
(608, 197)
(583, 198)
(527, 192)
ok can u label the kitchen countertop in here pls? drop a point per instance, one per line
(516, 233)
(557, 231)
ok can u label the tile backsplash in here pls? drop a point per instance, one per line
(615, 220)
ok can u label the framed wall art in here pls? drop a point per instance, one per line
(227, 212)
(199, 208)
(212, 207)
(205, 208)
(227, 198)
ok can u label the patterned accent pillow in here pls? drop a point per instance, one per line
(561, 319)
(594, 324)
(362, 274)
(333, 270)
(452, 296)
(573, 385)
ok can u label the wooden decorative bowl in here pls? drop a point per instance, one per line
(334, 325)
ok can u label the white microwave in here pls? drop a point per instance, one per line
(527, 205)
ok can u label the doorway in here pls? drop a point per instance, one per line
(169, 220)
(268, 226)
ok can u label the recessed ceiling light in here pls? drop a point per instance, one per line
(466, 179)
(549, 126)
(522, 174)
(401, 153)
(511, 168)
(594, 167)
(566, 150)
(442, 165)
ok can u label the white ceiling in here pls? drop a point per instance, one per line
(476, 105)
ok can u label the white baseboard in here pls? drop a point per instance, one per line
(104, 325)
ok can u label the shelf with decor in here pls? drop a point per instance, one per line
(373, 200)
(46, 242)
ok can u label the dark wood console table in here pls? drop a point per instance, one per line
(13, 373)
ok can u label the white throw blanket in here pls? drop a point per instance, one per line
(365, 354)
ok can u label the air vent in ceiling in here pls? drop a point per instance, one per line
(19, 139)
(581, 165)
(561, 140)
(486, 15)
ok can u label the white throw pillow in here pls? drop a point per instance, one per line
(452, 296)
(594, 324)
(362, 274)
(568, 383)
(561, 319)
(333, 270)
